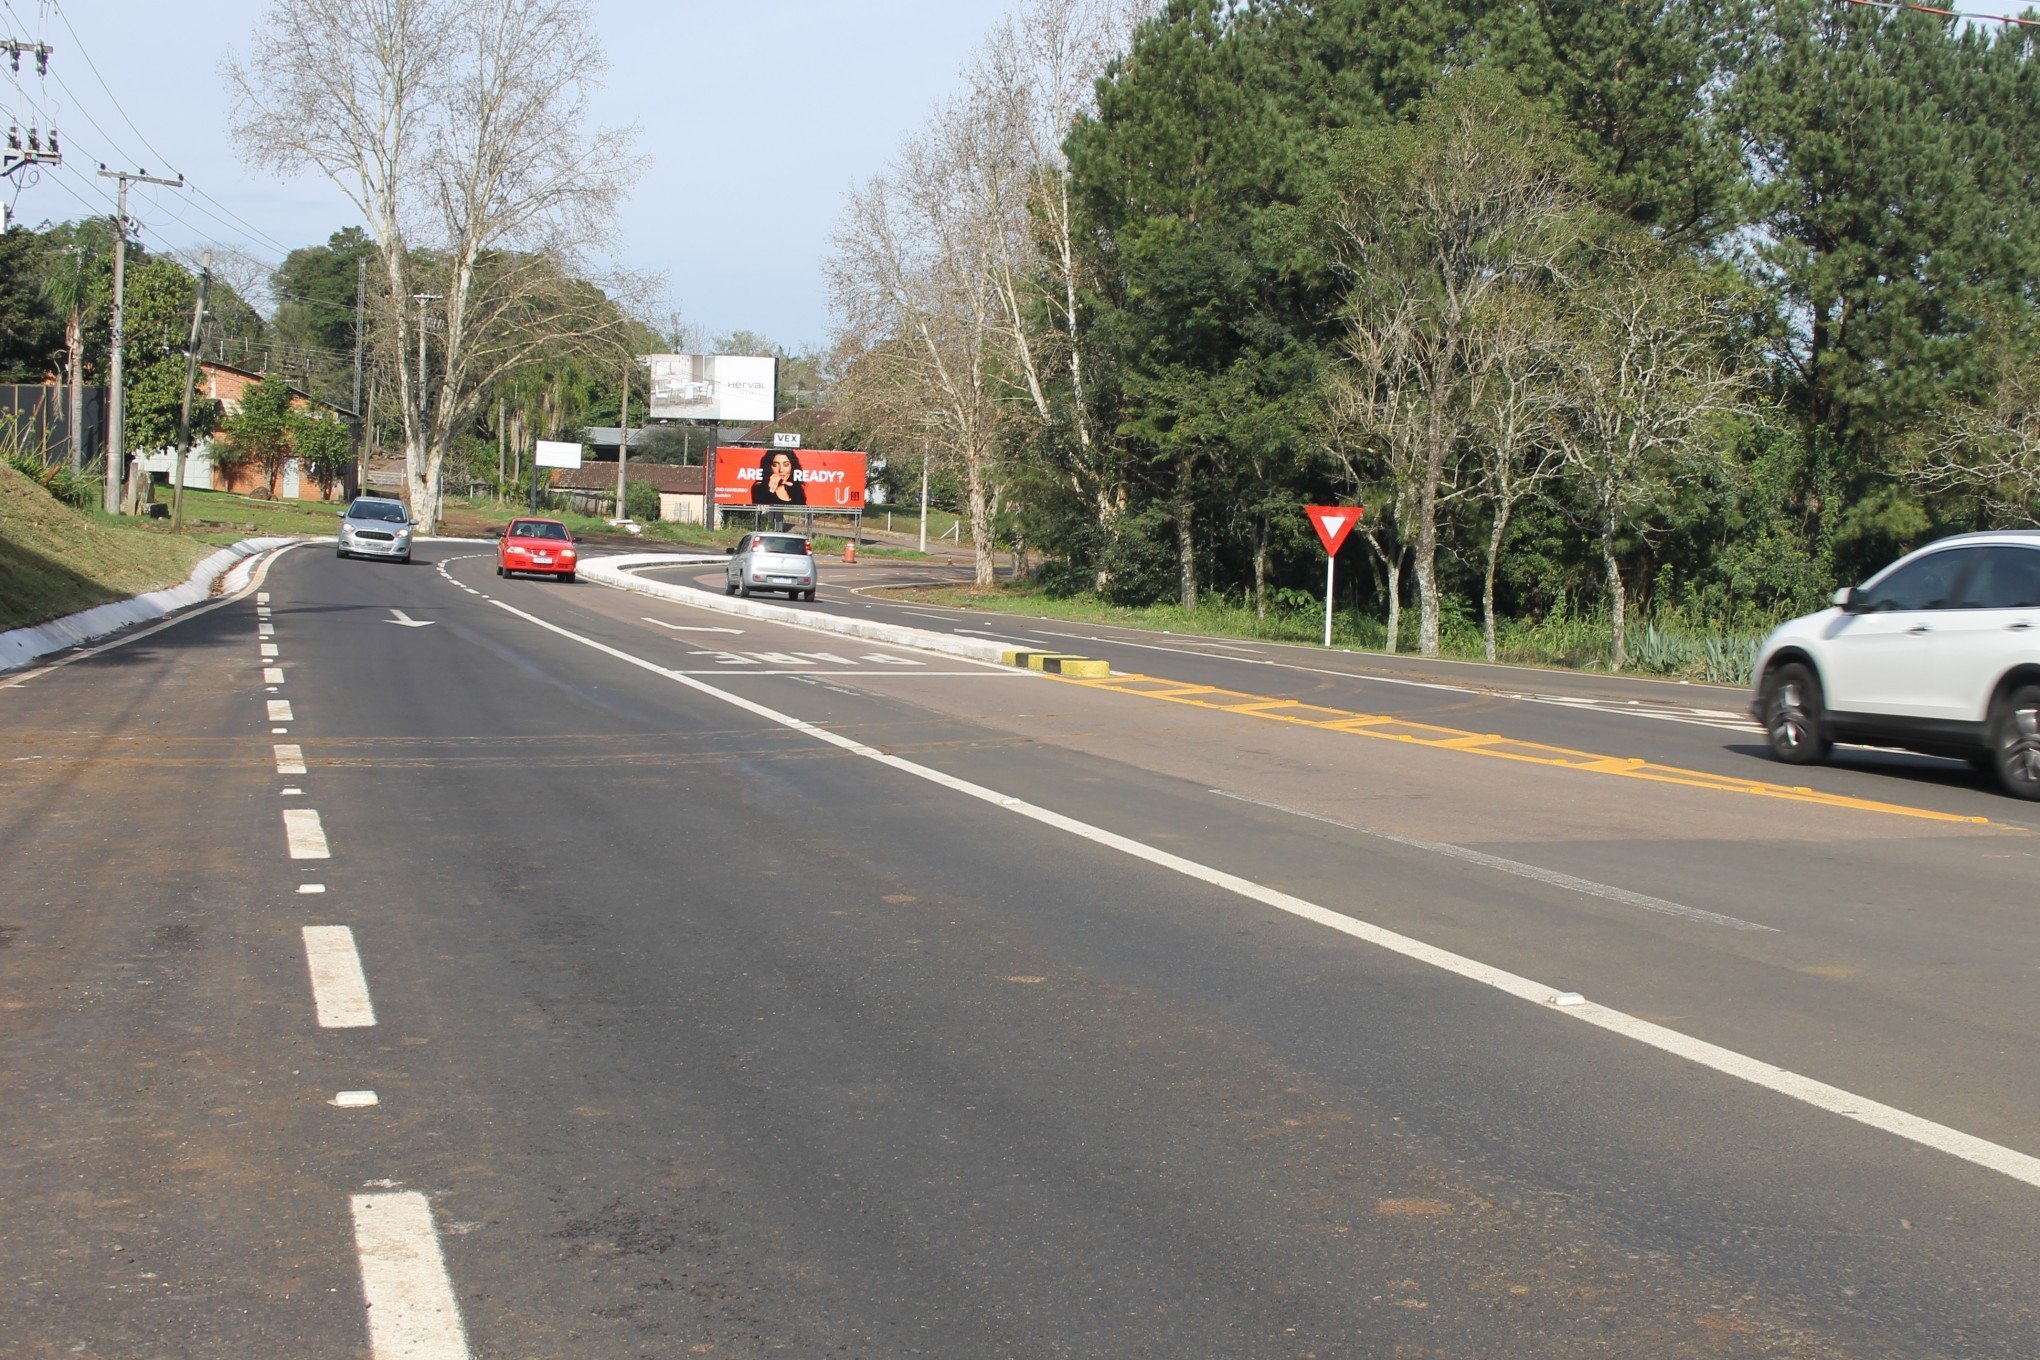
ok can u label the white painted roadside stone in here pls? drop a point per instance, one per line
(613, 571)
(234, 564)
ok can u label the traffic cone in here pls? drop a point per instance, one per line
(849, 550)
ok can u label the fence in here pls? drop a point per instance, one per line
(45, 410)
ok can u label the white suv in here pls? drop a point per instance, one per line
(1938, 653)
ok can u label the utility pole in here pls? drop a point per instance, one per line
(360, 313)
(116, 396)
(21, 154)
(184, 410)
(924, 500)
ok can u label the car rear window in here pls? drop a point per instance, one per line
(782, 543)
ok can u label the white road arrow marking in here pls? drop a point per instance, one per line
(683, 628)
(407, 621)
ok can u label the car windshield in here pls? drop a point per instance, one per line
(382, 510)
(781, 543)
(537, 529)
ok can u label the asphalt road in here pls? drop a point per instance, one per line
(761, 993)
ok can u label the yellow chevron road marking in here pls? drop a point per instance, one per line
(1381, 727)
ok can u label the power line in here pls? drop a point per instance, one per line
(1895, 5)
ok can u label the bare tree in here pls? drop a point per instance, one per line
(1988, 448)
(1643, 374)
(916, 282)
(1039, 69)
(1430, 220)
(1515, 406)
(460, 130)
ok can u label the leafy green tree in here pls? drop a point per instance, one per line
(31, 331)
(77, 280)
(261, 429)
(1895, 218)
(323, 445)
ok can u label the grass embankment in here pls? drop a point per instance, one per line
(1574, 643)
(56, 561)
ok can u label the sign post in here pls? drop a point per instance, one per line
(1333, 523)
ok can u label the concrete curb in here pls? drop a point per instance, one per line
(612, 571)
(228, 569)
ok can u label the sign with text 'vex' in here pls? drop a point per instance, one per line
(1333, 523)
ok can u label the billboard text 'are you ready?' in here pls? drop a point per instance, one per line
(818, 479)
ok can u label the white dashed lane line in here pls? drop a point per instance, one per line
(412, 1313)
(279, 711)
(307, 836)
(339, 987)
(269, 651)
(290, 759)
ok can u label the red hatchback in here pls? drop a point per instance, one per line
(541, 547)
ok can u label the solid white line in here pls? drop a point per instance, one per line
(1968, 1147)
(412, 1313)
(279, 710)
(290, 759)
(339, 988)
(1571, 883)
(306, 836)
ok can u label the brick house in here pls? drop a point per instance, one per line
(225, 384)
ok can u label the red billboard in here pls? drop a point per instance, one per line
(790, 479)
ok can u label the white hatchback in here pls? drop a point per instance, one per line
(1938, 653)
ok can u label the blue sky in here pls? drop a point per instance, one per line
(757, 116)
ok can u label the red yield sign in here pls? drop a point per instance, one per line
(1333, 522)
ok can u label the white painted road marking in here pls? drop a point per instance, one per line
(412, 1314)
(1553, 877)
(407, 621)
(279, 711)
(354, 1100)
(307, 837)
(683, 628)
(262, 597)
(311, 887)
(269, 651)
(1835, 1100)
(290, 759)
(272, 675)
(339, 988)
(265, 630)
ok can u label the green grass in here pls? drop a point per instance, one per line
(1565, 642)
(55, 560)
(225, 510)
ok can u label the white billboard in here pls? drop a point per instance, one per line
(555, 454)
(737, 388)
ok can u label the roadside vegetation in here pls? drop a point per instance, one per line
(1624, 355)
(56, 560)
(1673, 648)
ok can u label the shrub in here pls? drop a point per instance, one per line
(641, 501)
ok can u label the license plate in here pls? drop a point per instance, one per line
(540, 557)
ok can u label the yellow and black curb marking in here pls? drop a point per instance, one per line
(1059, 663)
(1384, 728)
